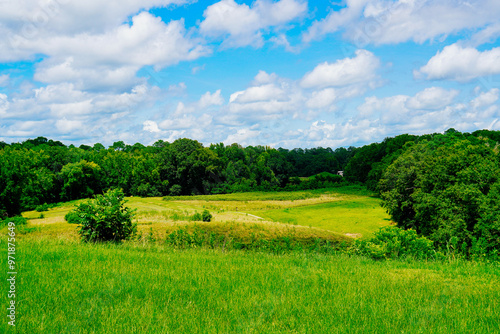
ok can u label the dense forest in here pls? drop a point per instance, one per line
(445, 186)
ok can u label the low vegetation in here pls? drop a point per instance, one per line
(407, 241)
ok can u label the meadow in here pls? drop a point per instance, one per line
(148, 286)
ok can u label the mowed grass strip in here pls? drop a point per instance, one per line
(69, 287)
(359, 216)
(350, 210)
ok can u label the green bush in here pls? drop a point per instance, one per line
(16, 220)
(42, 207)
(392, 242)
(104, 218)
(72, 217)
(206, 216)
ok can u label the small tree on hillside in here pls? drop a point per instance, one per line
(105, 218)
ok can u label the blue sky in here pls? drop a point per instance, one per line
(288, 73)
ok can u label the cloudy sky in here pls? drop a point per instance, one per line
(287, 73)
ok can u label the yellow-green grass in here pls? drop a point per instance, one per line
(355, 216)
(147, 286)
(327, 213)
(69, 287)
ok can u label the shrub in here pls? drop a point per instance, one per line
(206, 216)
(196, 217)
(16, 220)
(104, 218)
(72, 217)
(42, 207)
(393, 242)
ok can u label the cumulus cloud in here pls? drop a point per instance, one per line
(243, 25)
(209, 99)
(63, 111)
(432, 98)
(462, 64)
(485, 99)
(150, 126)
(386, 21)
(29, 24)
(242, 137)
(347, 71)
(433, 109)
(113, 58)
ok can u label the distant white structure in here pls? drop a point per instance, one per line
(341, 173)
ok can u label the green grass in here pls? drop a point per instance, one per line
(350, 210)
(69, 287)
(147, 286)
(357, 216)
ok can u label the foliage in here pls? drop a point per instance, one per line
(392, 242)
(445, 188)
(200, 236)
(18, 220)
(104, 218)
(206, 216)
(42, 207)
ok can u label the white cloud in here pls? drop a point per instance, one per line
(322, 99)
(431, 110)
(387, 21)
(268, 92)
(150, 126)
(33, 18)
(63, 93)
(113, 58)
(243, 25)
(347, 71)
(263, 78)
(62, 111)
(462, 64)
(4, 104)
(209, 99)
(485, 99)
(487, 35)
(335, 20)
(432, 98)
(242, 137)
(67, 126)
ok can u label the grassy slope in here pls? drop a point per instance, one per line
(358, 216)
(139, 287)
(330, 213)
(67, 287)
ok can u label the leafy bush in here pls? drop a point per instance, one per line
(72, 217)
(392, 242)
(206, 216)
(42, 207)
(104, 218)
(16, 220)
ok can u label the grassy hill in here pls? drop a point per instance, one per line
(148, 286)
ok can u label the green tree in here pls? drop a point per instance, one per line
(446, 188)
(104, 218)
(80, 179)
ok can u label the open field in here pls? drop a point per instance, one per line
(347, 211)
(69, 287)
(147, 286)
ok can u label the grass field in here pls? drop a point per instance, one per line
(146, 286)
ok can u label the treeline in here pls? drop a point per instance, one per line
(444, 186)
(41, 171)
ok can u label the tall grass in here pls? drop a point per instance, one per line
(69, 287)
